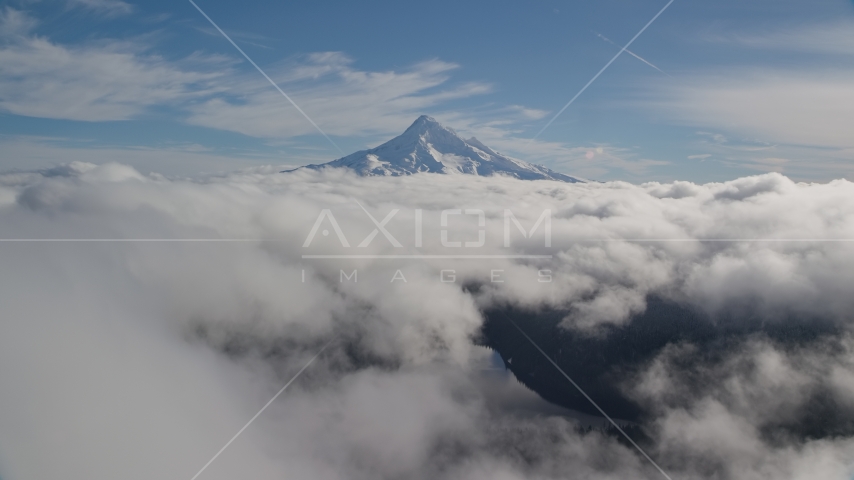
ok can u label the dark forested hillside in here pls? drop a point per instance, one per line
(605, 362)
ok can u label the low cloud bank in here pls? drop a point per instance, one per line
(141, 359)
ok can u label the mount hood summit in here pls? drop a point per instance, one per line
(427, 146)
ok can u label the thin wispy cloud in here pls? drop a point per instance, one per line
(773, 105)
(110, 8)
(113, 77)
(828, 38)
(15, 23)
(264, 74)
(344, 99)
(770, 116)
(121, 81)
(93, 82)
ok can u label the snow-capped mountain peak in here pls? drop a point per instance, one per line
(427, 146)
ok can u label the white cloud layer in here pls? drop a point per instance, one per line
(140, 360)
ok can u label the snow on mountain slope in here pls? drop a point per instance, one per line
(427, 146)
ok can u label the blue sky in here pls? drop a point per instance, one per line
(746, 87)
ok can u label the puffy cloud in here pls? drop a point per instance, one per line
(142, 358)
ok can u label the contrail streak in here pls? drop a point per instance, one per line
(262, 409)
(603, 68)
(267, 77)
(603, 37)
